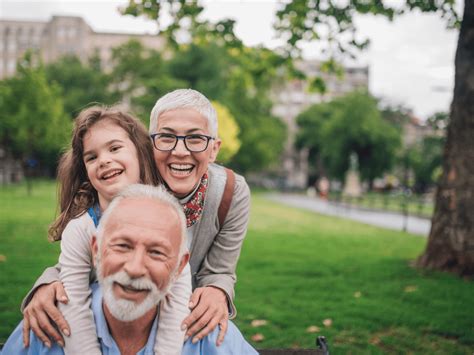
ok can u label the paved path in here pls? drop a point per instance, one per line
(388, 220)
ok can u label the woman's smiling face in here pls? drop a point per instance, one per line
(181, 169)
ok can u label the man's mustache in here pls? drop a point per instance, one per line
(141, 283)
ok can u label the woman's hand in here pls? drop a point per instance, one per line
(41, 311)
(209, 308)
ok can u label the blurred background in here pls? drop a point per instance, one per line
(339, 108)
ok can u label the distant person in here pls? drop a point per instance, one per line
(139, 250)
(323, 187)
(183, 127)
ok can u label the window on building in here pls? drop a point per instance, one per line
(72, 32)
(60, 32)
(12, 45)
(11, 66)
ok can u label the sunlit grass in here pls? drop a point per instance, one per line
(298, 269)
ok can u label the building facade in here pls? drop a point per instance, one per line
(293, 97)
(58, 37)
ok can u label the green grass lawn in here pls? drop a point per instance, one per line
(297, 269)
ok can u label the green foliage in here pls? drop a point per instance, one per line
(397, 116)
(185, 19)
(228, 133)
(81, 84)
(438, 121)
(141, 76)
(331, 23)
(262, 135)
(425, 159)
(347, 124)
(202, 67)
(34, 124)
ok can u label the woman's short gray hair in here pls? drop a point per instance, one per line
(184, 99)
(156, 193)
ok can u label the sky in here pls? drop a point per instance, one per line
(411, 60)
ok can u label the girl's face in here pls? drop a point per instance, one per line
(111, 160)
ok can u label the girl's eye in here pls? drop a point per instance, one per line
(115, 148)
(89, 158)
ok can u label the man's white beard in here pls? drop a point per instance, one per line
(125, 310)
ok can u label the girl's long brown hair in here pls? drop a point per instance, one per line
(76, 194)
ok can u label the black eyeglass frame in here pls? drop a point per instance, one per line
(183, 138)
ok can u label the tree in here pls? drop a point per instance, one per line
(34, 127)
(397, 116)
(349, 124)
(451, 241)
(140, 76)
(310, 123)
(80, 84)
(228, 132)
(202, 67)
(425, 159)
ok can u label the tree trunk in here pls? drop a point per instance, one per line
(451, 240)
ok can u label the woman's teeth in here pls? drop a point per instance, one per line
(181, 167)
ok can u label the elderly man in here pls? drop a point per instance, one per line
(138, 252)
(183, 127)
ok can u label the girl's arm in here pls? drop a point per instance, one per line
(174, 308)
(75, 269)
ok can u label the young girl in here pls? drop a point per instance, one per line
(109, 150)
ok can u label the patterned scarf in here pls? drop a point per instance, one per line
(193, 208)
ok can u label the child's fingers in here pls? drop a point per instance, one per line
(60, 292)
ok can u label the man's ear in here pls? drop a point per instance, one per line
(182, 263)
(94, 248)
(216, 146)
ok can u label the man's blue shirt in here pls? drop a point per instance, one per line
(234, 342)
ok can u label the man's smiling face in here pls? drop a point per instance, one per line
(138, 256)
(181, 169)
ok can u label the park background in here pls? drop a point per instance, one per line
(288, 121)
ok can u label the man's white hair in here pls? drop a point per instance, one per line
(156, 193)
(185, 99)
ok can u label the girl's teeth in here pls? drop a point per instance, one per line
(108, 176)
